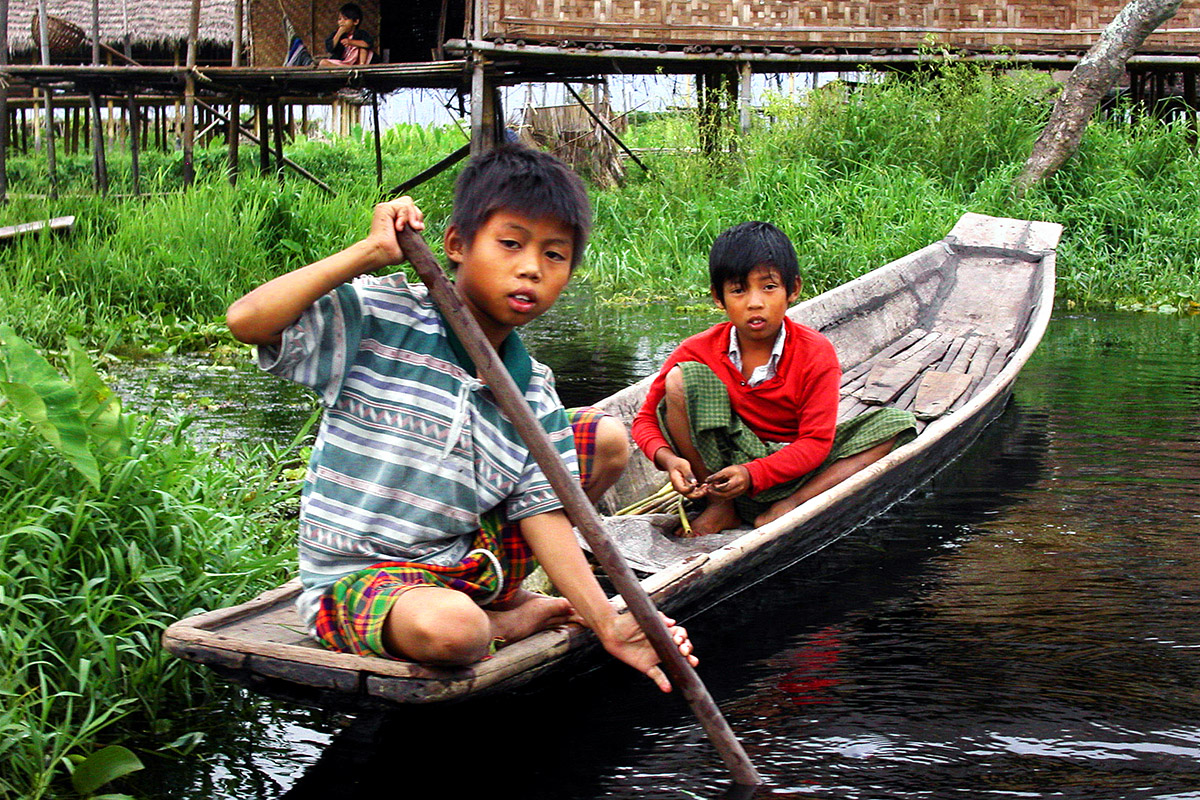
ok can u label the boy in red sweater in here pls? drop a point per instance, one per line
(745, 413)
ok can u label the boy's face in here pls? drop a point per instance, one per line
(512, 271)
(757, 308)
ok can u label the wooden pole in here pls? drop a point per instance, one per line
(239, 12)
(4, 126)
(578, 507)
(45, 47)
(189, 98)
(483, 115)
(264, 139)
(604, 127)
(277, 120)
(135, 125)
(426, 174)
(744, 93)
(99, 162)
(378, 146)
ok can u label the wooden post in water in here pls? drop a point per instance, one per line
(99, 163)
(135, 124)
(4, 126)
(578, 507)
(189, 98)
(43, 29)
(744, 93)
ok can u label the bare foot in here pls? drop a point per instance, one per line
(777, 510)
(526, 614)
(718, 516)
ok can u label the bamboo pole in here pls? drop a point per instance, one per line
(45, 48)
(578, 507)
(189, 98)
(264, 139)
(277, 124)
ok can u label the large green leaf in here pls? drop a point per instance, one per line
(103, 766)
(47, 401)
(98, 404)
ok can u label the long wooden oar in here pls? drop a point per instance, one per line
(578, 507)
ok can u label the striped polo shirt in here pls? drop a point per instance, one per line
(412, 448)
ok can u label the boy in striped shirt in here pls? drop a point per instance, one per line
(422, 507)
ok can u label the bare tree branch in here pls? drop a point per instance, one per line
(1098, 71)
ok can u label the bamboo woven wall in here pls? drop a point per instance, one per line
(312, 19)
(1021, 25)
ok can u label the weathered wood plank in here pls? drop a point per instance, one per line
(65, 224)
(937, 392)
(892, 349)
(891, 377)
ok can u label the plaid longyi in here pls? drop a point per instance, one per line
(352, 611)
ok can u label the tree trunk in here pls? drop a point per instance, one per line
(1093, 76)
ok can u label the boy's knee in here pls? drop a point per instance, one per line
(673, 385)
(612, 443)
(451, 631)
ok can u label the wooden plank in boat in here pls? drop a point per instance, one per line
(898, 346)
(937, 392)
(890, 377)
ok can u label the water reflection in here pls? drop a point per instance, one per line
(1028, 625)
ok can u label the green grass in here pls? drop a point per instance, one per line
(90, 578)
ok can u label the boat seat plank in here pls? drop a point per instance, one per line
(937, 392)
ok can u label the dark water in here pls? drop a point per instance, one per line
(1027, 626)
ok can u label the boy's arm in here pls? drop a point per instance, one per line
(553, 542)
(261, 316)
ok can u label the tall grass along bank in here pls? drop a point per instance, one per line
(111, 527)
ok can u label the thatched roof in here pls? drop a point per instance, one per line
(150, 22)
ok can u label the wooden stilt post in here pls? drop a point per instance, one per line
(45, 48)
(189, 98)
(1189, 101)
(483, 112)
(135, 126)
(99, 163)
(4, 123)
(378, 146)
(744, 77)
(264, 139)
(234, 134)
(277, 124)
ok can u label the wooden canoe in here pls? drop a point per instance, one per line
(943, 331)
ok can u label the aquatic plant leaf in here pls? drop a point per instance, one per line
(99, 405)
(47, 401)
(104, 766)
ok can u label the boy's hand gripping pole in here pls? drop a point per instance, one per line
(578, 507)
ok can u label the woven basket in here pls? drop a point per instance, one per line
(64, 36)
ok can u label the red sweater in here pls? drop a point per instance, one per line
(799, 405)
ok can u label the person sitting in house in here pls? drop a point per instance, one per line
(349, 45)
(745, 413)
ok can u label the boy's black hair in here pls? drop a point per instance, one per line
(351, 11)
(740, 249)
(526, 181)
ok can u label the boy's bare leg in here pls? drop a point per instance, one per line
(718, 515)
(829, 477)
(434, 625)
(612, 453)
